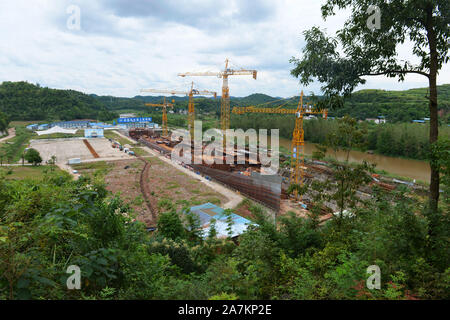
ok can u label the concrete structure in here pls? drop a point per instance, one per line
(208, 211)
(65, 149)
(74, 161)
(93, 133)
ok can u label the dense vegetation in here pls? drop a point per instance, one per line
(343, 60)
(396, 106)
(13, 150)
(49, 224)
(25, 101)
(4, 122)
(404, 139)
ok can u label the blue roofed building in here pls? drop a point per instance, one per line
(208, 211)
(100, 125)
(44, 126)
(33, 127)
(74, 124)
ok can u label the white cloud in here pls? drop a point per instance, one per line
(124, 46)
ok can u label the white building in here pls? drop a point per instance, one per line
(127, 115)
(377, 120)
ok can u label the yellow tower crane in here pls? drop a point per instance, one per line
(191, 108)
(225, 102)
(298, 142)
(164, 116)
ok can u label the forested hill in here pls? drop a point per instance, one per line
(394, 105)
(25, 101)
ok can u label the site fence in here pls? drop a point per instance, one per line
(253, 188)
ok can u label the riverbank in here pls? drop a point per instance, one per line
(407, 169)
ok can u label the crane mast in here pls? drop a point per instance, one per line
(298, 135)
(191, 107)
(164, 116)
(225, 101)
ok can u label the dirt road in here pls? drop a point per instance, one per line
(233, 197)
(11, 134)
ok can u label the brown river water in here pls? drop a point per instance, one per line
(414, 169)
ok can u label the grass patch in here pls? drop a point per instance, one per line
(97, 170)
(13, 149)
(28, 172)
(172, 185)
(245, 202)
(112, 135)
(208, 194)
(215, 201)
(91, 166)
(140, 152)
(138, 201)
(154, 161)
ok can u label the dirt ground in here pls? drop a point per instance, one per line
(121, 181)
(166, 182)
(290, 206)
(126, 183)
(233, 198)
(65, 149)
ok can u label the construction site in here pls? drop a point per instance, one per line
(248, 177)
(137, 160)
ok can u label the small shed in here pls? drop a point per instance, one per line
(93, 133)
(208, 211)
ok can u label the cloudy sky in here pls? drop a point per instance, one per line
(125, 45)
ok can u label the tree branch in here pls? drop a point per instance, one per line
(396, 71)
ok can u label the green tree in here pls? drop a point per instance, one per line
(170, 225)
(33, 156)
(374, 51)
(347, 179)
(4, 122)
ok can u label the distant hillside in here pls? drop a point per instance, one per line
(256, 98)
(394, 105)
(25, 101)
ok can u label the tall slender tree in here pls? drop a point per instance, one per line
(369, 45)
